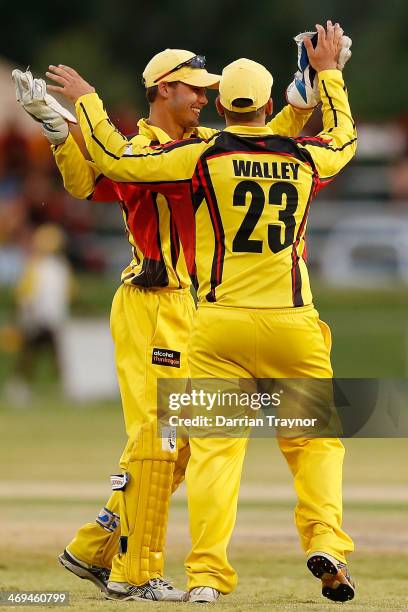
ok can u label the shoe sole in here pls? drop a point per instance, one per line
(327, 572)
(81, 572)
(124, 597)
(202, 601)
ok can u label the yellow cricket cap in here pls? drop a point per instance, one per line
(179, 65)
(245, 80)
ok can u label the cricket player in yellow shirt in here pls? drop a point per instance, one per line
(151, 320)
(251, 191)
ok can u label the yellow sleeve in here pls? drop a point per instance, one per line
(206, 132)
(125, 161)
(336, 145)
(290, 121)
(78, 174)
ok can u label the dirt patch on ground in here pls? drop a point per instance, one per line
(249, 492)
(46, 529)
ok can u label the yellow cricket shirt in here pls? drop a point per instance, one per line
(249, 190)
(158, 256)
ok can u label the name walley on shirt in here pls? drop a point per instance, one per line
(257, 169)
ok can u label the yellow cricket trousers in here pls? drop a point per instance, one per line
(270, 343)
(145, 325)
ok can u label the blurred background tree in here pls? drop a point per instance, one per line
(110, 43)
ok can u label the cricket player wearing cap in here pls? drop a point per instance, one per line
(151, 319)
(251, 191)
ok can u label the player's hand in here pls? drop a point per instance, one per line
(303, 92)
(326, 53)
(70, 83)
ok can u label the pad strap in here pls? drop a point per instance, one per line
(108, 519)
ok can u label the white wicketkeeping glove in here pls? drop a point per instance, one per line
(44, 108)
(303, 91)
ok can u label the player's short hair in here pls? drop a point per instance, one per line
(152, 92)
(242, 103)
(243, 116)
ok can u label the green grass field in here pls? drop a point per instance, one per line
(56, 459)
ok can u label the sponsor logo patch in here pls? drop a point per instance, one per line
(166, 357)
(119, 481)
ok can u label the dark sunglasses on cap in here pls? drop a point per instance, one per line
(198, 61)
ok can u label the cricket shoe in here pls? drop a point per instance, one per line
(156, 589)
(337, 583)
(203, 595)
(98, 575)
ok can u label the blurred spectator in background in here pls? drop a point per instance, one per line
(14, 158)
(32, 194)
(43, 297)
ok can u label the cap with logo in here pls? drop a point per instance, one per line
(245, 80)
(179, 65)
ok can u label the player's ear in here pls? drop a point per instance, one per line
(163, 89)
(269, 107)
(219, 107)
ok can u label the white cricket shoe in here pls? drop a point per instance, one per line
(203, 595)
(156, 589)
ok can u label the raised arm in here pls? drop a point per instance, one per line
(126, 161)
(79, 175)
(303, 93)
(113, 154)
(335, 146)
(290, 121)
(56, 120)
